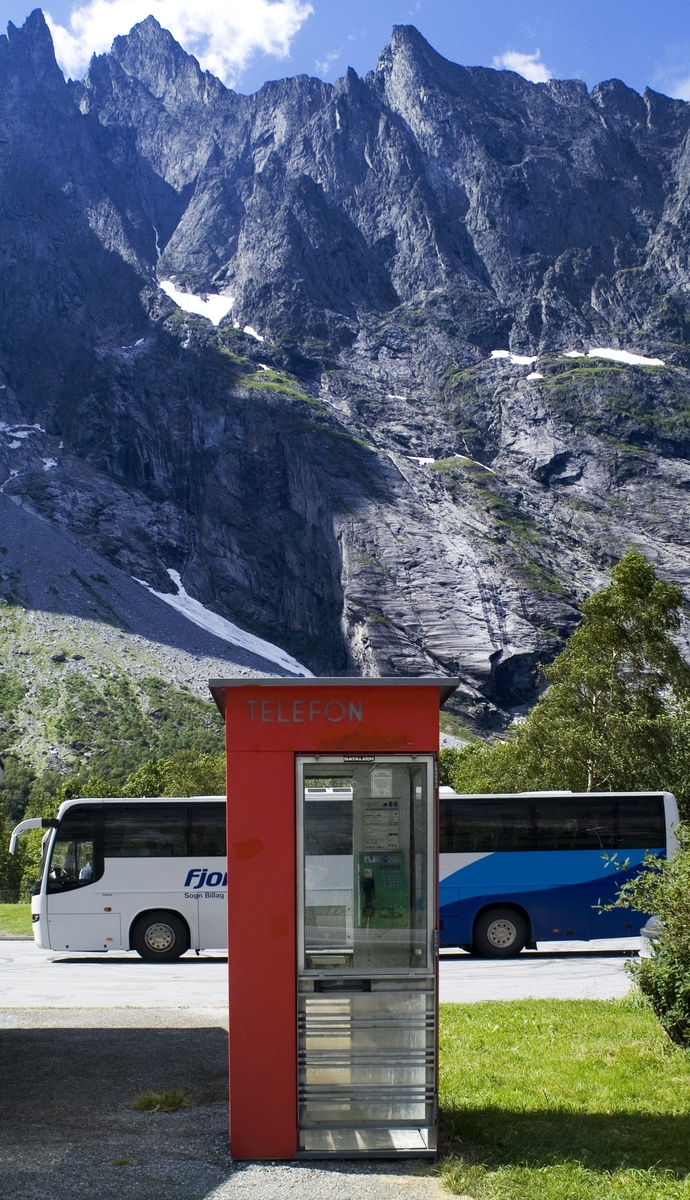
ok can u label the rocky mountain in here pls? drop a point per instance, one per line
(343, 465)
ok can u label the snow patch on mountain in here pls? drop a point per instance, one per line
(624, 356)
(518, 360)
(214, 308)
(213, 623)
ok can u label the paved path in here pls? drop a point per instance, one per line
(41, 978)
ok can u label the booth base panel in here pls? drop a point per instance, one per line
(362, 1143)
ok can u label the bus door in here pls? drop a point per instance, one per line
(209, 879)
(82, 915)
(576, 837)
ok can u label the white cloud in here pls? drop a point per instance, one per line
(323, 66)
(680, 89)
(529, 66)
(223, 34)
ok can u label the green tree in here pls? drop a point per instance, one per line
(15, 787)
(618, 699)
(184, 773)
(10, 865)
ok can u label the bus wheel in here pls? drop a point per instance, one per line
(500, 933)
(160, 937)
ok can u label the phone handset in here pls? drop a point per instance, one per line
(368, 886)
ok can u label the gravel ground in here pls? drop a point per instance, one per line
(68, 1129)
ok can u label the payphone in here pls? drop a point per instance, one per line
(332, 915)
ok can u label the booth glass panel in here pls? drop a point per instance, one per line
(365, 838)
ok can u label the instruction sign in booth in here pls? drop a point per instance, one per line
(332, 915)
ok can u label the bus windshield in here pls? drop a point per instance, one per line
(75, 859)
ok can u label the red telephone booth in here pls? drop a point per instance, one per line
(332, 914)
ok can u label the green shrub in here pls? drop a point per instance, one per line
(663, 888)
(665, 981)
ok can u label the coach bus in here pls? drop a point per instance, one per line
(536, 867)
(144, 875)
(151, 875)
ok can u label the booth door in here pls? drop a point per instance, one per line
(367, 988)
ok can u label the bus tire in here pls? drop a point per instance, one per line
(500, 933)
(160, 937)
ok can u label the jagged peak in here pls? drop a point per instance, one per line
(407, 41)
(613, 92)
(409, 35)
(33, 43)
(150, 54)
(34, 30)
(410, 53)
(146, 36)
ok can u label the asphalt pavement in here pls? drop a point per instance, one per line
(34, 978)
(555, 970)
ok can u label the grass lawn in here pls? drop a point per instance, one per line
(15, 918)
(563, 1100)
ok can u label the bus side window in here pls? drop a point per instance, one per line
(582, 824)
(207, 829)
(485, 825)
(641, 823)
(146, 831)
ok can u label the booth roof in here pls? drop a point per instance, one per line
(445, 685)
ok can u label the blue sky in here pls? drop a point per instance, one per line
(643, 42)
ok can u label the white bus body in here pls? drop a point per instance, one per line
(152, 892)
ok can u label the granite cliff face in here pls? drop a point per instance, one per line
(379, 239)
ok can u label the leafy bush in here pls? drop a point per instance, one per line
(10, 866)
(663, 888)
(15, 787)
(665, 981)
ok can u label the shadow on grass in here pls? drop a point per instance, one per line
(498, 1137)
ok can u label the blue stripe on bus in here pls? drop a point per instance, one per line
(563, 903)
(538, 869)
